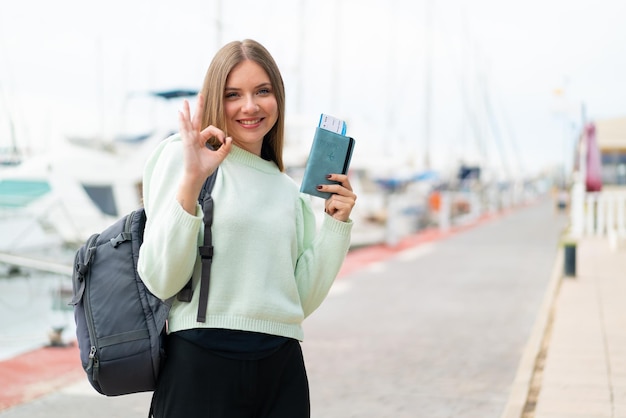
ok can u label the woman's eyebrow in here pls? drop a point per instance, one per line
(264, 84)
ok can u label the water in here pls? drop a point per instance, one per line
(33, 303)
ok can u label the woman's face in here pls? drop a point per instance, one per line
(250, 105)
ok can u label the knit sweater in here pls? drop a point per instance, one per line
(271, 266)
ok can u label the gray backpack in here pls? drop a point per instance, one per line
(120, 325)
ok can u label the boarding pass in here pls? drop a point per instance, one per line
(332, 124)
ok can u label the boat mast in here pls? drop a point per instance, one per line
(14, 151)
(427, 81)
(218, 24)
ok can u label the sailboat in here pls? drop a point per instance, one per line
(81, 187)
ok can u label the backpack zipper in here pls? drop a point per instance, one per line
(93, 364)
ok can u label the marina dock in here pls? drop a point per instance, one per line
(477, 322)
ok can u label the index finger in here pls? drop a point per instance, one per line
(199, 113)
(212, 131)
(342, 179)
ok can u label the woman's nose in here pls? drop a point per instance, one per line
(250, 105)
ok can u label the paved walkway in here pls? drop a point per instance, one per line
(575, 363)
(437, 330)
(573, 366)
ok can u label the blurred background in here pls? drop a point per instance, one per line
(459, 107)
(433, 81)
(433, 90)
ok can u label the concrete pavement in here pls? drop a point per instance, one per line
(571, 363)
(575, 364)
(435, 330)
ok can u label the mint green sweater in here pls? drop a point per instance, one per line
(271, 267)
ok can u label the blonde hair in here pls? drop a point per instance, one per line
(214, 86)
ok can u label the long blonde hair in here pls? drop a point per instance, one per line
(214, 86)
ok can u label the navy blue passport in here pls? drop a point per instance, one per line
(330, 154)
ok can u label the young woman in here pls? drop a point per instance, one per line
(271, 266)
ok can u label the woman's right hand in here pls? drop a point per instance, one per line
(199, 161)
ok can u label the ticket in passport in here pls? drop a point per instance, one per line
(332, 124)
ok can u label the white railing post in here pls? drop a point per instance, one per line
(607, 200)
(621, 207)
(590, 210)
(601, 213)
(577, 209)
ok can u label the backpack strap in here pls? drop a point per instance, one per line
(206, 251)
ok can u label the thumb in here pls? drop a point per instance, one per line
(224, 150)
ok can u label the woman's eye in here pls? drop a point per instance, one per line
(264, 91)
(230, 95)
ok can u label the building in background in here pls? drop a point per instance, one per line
(611, 139)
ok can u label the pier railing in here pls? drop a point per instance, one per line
(605, 212)
(599, 213)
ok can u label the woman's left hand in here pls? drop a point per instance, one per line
(339, 205)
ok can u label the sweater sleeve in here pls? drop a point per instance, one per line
(321, 255)
(169, 250)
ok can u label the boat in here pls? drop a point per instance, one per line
(84, 185)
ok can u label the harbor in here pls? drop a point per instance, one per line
(487, 153)
(478, 322)
(456, 299)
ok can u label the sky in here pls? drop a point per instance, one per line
(420, 83)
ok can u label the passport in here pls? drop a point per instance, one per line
(330, 154)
